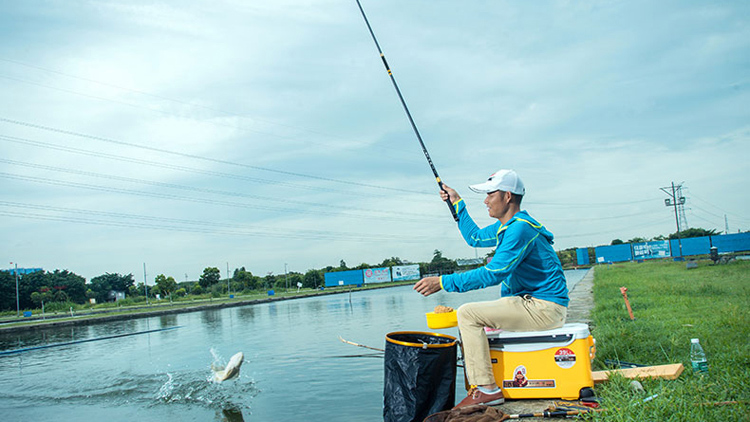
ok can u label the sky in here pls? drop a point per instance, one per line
(181, 135)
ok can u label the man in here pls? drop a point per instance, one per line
(534, 293)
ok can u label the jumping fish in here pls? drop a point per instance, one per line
(232, 370)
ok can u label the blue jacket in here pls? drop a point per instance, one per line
(524, 261)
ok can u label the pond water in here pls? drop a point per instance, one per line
(295, 366)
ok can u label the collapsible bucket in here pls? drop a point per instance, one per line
(420, 375)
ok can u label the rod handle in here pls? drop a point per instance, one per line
(448, 201)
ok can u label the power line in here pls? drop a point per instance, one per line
(617, 230)
(186, 225)
(186, 169)
(195, 189)
(197, 157)
(694, 196)
(199, 200)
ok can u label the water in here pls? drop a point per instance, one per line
(295, 366)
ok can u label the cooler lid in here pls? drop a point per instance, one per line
(566, 333)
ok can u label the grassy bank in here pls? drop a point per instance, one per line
(672, 305)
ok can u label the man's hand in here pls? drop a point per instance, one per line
(428, 285)
(448, 193)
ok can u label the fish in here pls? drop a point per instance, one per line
(230, 371)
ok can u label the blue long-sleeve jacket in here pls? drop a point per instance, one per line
(524, 261)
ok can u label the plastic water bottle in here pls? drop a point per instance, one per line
(698, 357)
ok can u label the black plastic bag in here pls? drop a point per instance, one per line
(420, 375)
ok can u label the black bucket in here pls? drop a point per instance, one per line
(420, 375)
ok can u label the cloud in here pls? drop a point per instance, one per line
(189, 134)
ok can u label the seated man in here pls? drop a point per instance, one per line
(534, 293)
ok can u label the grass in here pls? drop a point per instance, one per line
(672, 305)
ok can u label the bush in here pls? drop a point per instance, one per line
(196, 290)
(181, 292)
(59, 306)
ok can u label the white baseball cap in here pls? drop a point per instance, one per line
(504, 180)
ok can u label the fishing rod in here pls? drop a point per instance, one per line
(408, 114)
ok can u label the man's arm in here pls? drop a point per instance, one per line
(472, 234)
(517, 241)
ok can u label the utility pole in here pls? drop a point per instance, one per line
(726, 225)
(145, 282)
(18, 306)
(674, 201)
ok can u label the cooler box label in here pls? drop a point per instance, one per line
(565, 358)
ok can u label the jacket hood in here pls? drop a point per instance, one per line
(523, 216)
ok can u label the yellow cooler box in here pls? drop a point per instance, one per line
(543, 364)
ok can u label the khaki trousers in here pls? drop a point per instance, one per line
(513, 313)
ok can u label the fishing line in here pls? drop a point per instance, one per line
(408, 114)
(47, 346)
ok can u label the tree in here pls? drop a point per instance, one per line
(246, 279)
(103, 284)
(43, 295)
(342, 265)
(439, 264)
(7, 291)
(637, 240)
(64, 286)
(568, 257)
(391, 262)
(210, 276)
(694, 232)
(616, 242)
(165, 285)
(295, 278)
(269, 281)
(312, 279)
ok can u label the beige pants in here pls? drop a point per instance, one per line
(514, 313)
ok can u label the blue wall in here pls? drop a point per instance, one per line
(691, 246)
(737, 242)
(583, 256)
(348, 278)
(614, 253)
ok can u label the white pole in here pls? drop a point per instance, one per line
(18, 306)
(145, 282)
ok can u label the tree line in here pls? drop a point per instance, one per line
(58, 289)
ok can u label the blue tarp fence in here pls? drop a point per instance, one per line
(583, 256)
(738, 242)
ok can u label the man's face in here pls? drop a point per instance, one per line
(497, 203)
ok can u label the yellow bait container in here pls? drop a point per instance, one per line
(441, 320)
(543, 364)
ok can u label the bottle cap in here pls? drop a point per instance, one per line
(694, 340)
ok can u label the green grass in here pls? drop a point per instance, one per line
(671, 305)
